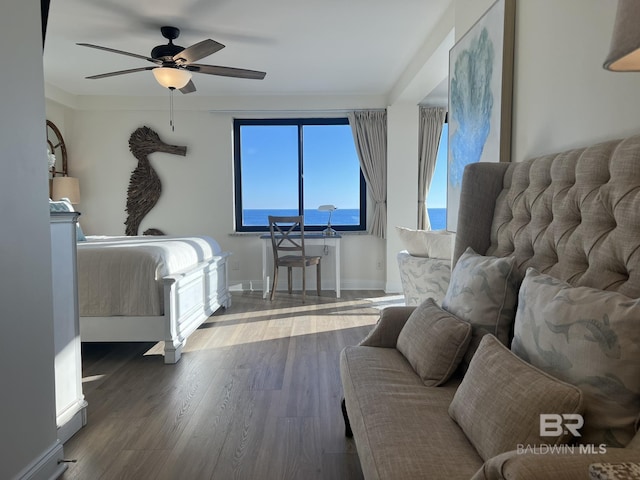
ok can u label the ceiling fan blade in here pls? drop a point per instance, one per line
(226, 71)
(188, 88)
(120, 72)
(121, 52)
(197, 51)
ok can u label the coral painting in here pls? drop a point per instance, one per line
(480, 88)
(471, 104)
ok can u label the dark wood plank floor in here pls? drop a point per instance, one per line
(256, 395)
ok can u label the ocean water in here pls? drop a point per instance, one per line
(344, 216)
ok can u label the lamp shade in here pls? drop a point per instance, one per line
(171, 77)
(66, 187)
(327, 208)
(624, 54)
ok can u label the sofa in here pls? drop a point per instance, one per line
(530, 367)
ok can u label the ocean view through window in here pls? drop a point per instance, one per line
(291, 167)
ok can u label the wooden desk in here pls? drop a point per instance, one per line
(309, 239)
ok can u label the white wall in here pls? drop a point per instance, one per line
(27, 403)
(197, 190)
(467, 12)
(563, 97)
(423, 75)
(402, 178)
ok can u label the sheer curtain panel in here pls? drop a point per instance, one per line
(431, 121)
(370, 136)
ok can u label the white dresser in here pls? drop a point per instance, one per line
(70, 403)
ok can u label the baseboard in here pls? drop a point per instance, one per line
(256, 285)
(47, 466)
(73, 421)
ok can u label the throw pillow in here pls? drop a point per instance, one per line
(483, 291)
(64, 205)
(499, 402)
(590, 338)
(427, 243)
(423, 278)
(434, 342)
(80, 236)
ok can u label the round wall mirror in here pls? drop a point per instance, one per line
(56, 151)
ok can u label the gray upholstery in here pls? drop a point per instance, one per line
(573, 215)
(400, 432)
(482, 182)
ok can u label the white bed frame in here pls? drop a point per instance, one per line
(190, 297)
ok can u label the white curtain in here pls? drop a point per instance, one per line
(430, 128)
(369, 129)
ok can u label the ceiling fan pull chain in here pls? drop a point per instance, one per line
(173, 129)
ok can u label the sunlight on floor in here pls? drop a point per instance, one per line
(387, 301)
(267, 324)
(92, 378)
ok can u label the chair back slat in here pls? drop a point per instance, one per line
(287, 234)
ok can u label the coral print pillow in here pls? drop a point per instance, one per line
(589, 338)
(483, 291)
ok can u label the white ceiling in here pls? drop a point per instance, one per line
(307, 47)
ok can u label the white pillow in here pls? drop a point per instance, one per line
(427, 243)
(64, 205)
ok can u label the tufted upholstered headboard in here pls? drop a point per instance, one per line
(574, 215)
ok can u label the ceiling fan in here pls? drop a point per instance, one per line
(174, 64)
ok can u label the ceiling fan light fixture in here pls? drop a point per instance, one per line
(174, 78)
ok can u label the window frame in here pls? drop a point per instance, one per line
(299, 123)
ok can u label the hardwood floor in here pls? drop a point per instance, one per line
(256, 395)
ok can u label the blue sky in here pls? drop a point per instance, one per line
(437, 197)
(270, 169)
(270, 172)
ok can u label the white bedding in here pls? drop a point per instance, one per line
(123, 275)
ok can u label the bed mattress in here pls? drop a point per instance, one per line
(122, 276)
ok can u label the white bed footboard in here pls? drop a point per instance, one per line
(190, 297)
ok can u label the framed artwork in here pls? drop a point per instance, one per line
(480, 98)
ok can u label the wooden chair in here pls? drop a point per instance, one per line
(286, 238)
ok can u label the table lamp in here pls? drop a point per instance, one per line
(329, 232)
(66, 187)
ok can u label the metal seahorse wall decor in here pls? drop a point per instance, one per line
(144, 185)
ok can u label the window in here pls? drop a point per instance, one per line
(437, 195)
(291, 167)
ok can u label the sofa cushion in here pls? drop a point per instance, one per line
(483, 291)
(501, 397)
(401, 427)
(427, 243)
(590, 338)
(434, 342)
